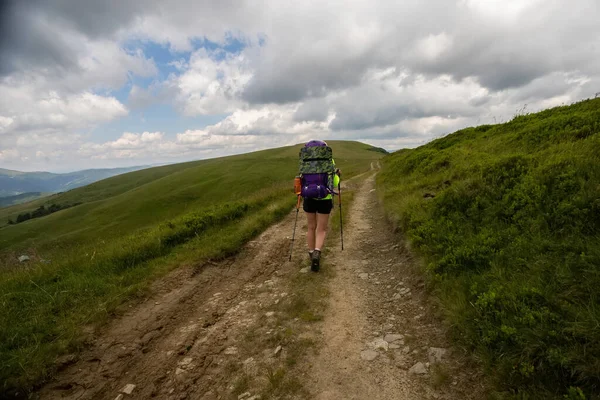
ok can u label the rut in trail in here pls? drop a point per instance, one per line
(181, 342)
(213, 331)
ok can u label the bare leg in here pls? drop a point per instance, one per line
(312, 226)
(322, 223)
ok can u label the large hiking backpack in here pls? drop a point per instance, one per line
(316, 170)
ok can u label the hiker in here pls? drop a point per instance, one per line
(319, 178)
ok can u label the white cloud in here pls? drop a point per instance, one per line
(211, 86)
(9, 154)
(32, 109)
(5, 123)
(433, 46)
(127, 146)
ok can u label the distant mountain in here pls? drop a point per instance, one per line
(13, 183)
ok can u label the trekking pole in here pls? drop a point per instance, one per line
(295, 223)
(341, 218)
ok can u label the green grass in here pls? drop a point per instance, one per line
(129, 231)
(507, 219)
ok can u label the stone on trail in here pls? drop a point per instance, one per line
(364, 275)
(119, 397)
(231, 350)
(277, 350)
(305, 270)
(250, 366)
(418, 369)
(436, 354)
(128, 389)
(23, 258)
(392, 337)
(368, 355)
(379, 344)
(186, 361)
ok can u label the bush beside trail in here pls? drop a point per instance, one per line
(507, 219)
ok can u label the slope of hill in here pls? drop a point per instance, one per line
(16, 182)
(20, 198)
(507, 219)
(129, 230)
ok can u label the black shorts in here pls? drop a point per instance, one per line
(318, 206)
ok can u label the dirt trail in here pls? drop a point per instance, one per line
(176, 344)
(211, 331)
(379, 325)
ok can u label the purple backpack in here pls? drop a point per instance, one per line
(316, 170)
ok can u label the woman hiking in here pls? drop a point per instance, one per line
(319, 178)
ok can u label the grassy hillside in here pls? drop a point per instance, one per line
(507, 218)
(129, 230)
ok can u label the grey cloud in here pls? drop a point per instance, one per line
(500, 54)
(299, 79)
(26, 39)
(542, 88)
(95, 18)
(497, 66)
(373, 106)
(156, 93)
(312, 110)
(355, 119)
(34, 32)
(479, 101)
(31, 30)
(553, 37)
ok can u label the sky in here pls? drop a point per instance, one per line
(111, 83)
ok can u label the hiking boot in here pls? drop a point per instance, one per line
(316, 259)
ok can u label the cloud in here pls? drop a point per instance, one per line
(312, 110)
(385, 99)
(5, 123)
(27, 111)
(38, 42)
(389, 73)
(9, 154)
(211, 85)
(129, 145)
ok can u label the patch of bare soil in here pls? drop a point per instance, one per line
(257, 326)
